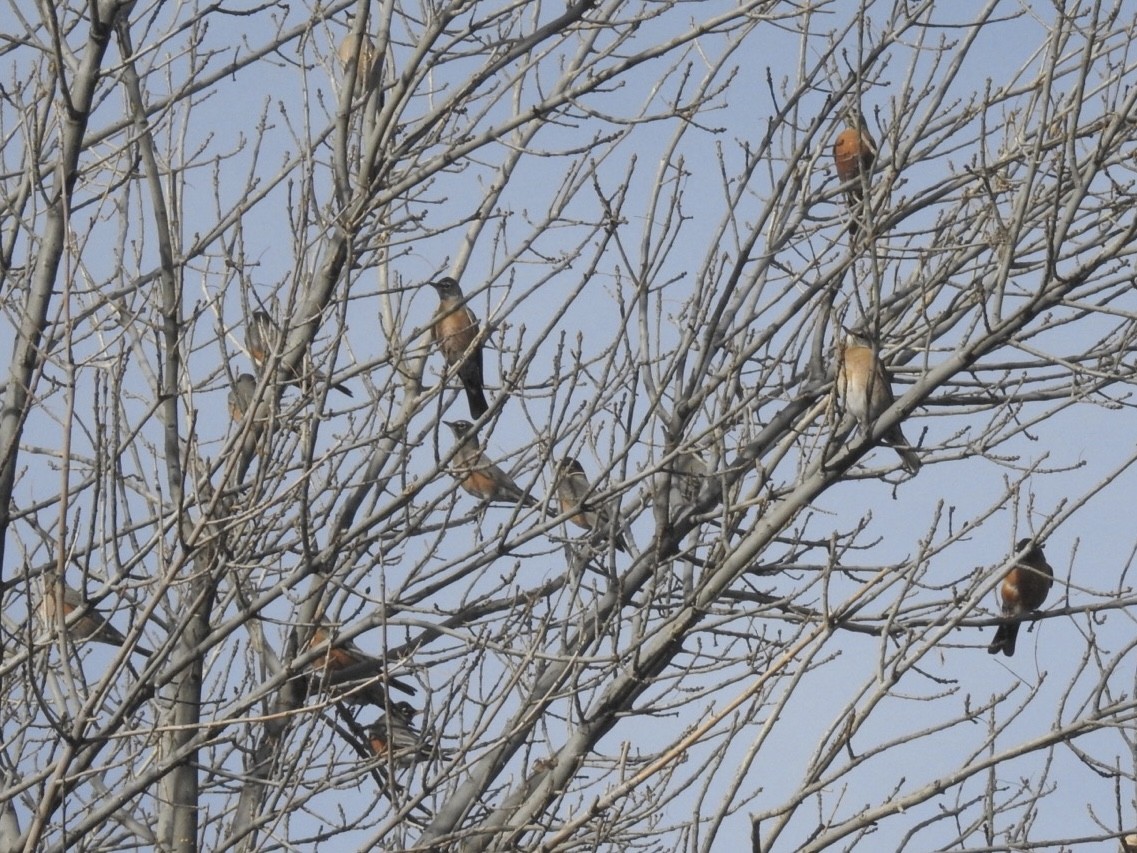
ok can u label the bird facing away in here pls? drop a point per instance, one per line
(480, 477)
(688, 470)
(572, 491)
(262, 340)
(344, 665)
(91, 625)
(866, 393)
(854, 153)
(395, 739)
(347, 52)
(456, 332)
(1023, 590)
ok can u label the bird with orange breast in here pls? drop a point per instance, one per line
(456, 332)
(354, 675)
(58, 607)
(480, 477)
(572, 492)
(263, 340)
(866, 393)
(1022, 591)
(854, 152)
(395, 739)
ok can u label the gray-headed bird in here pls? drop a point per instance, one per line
(478, 475)
(572, 491)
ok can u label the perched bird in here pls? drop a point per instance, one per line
(360, 59)
(262, 339)
(866, 394)
(854, 152)
(91, 625)
(394, 738)
(357, 676)
(572, 490)
(241, 397)
(687, 470)
(1023, 590)
(456, 333)
(480, 477)
(348, 51)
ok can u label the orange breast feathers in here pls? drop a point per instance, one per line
(854, 152)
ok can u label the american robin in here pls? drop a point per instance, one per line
(262, 339)
(344, 665)
(456, 333)
(688, 470)
(347, 52)
(91, 625)
(854, 152)
(480, 477)
(1023, 590)
(241, 397)
(394, 738)
(572, 491)
(866, 393)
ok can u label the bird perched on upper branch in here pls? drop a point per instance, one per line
(854, 153)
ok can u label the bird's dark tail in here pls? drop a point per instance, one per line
(895, 439)
(399, 684)
(477, 400)
(318, 378)
(909, 460)
(1005, 637)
